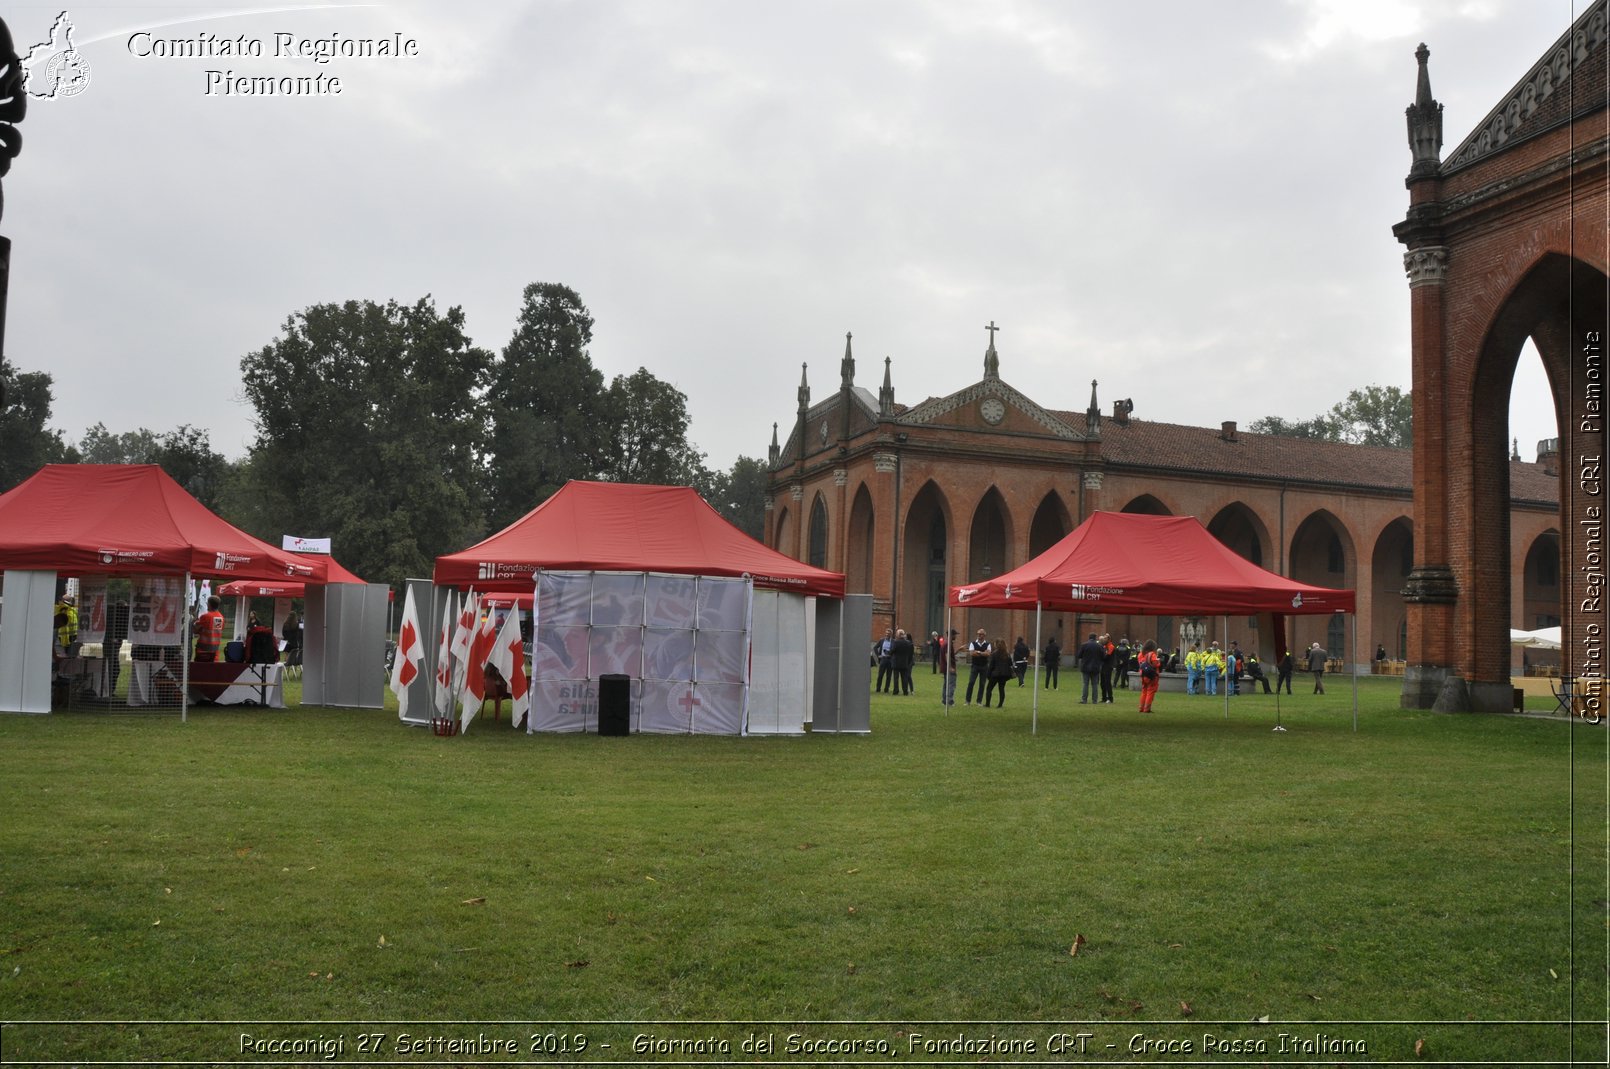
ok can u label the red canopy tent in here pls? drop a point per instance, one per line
(1121, 562)
(290, 588)
(624, 527)
(130, 519)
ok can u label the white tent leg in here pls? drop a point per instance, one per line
(1355, 673)
(185, 630)
(1035, 728)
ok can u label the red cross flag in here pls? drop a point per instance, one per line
(444, 660)
(483, 636)
(508, 657)
(410, 654)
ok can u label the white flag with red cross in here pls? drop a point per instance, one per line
(482, 637)
(409, 656)
(508, 657)
(444, 659)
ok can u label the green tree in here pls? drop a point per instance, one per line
(547, 403)
(1319, 427)
(649, 434)
(368, 432)
(740, 495)
(25, 444)
(185, 453)
(1374, 415)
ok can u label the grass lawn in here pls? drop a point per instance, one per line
(1428, 878)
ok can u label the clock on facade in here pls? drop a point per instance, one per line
(993, 409)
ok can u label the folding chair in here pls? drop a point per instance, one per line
(1562, 695)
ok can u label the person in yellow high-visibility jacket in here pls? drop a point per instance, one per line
(1212, 666)
(1193, 667)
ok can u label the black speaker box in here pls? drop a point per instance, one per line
(615, 705)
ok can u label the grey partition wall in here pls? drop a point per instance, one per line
(421, 692)
(344, 640)
(25, 634)
(843, 690)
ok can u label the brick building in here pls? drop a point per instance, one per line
(1448, 545)
(908, 501)
(1506, 241)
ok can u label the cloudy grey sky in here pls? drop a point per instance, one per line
(1190, 202)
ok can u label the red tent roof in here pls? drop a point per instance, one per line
(1120, 562)
(289, 588)
(130, 519)
(623, 527)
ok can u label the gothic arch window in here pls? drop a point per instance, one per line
(818, 535)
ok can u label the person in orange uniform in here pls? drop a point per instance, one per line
(210, 631)
(1150, 668)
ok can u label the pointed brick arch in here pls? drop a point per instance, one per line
(859, 541)
(990, 538)
(927, 556)
(1540, 580)
(1391, 561)
(1505, 242)
(1050, 525)
(1323, 553)
(1240, 528)
(818, 533)
(784, 541)
(1148, 505)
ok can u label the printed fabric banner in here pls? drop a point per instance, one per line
(92, 609)
(156, 611)
(683, 640)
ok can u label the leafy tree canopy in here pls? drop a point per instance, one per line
(1374, 415)
(547, 403)
(740, 495)
(649, 443)
(185, 453)
(368, 432)
(25, 444)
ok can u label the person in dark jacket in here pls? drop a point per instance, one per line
(1052, 659)
(902, 655)
(884, 650)
(1000, 670)
(1091, 656)
(1020, 659)
(1283, 668)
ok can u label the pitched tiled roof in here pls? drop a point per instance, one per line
(1176, 447)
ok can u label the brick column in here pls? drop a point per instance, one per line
(1432, 590)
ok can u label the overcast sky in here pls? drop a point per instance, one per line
(1190, 205)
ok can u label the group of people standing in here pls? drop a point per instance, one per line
(895, 654)
(1103, 664)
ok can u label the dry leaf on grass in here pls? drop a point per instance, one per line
(481, 901)
(1078, 941)
(577, 964)
(1419, 1048)
(1185, 1008)
(382, 941)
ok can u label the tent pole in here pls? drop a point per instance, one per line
(1226, 681)
(184, 656)
(1355, 673)
(1035, 729)
(947, 686)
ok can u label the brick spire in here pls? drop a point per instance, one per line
(1425, 123)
